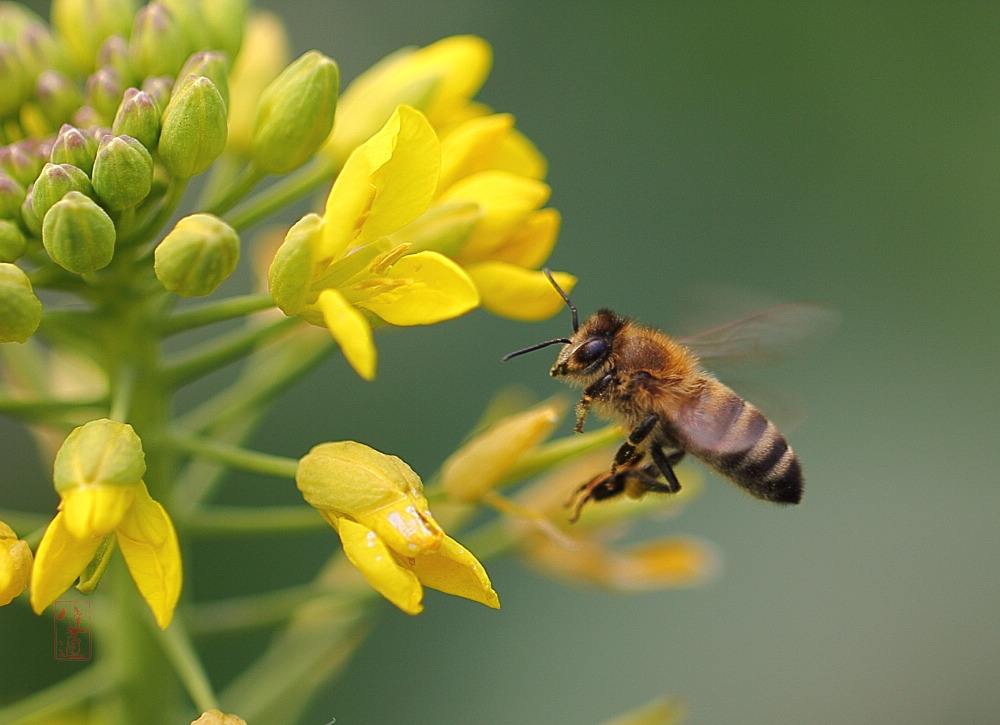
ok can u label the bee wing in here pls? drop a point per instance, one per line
(764, 335)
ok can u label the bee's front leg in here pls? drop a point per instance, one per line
(594, 390)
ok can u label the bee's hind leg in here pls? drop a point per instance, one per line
(665, 463)
(610, 484)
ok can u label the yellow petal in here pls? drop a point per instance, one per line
(472, 147)
(148, 542)
(387, 182)
(294, 266)
(58, 562)
(519, 155)
(453, 569)
(15, 565)
(506, 201)
(263, 55)
(531, 243)
(95, 510)
(369, 554)
(478, 466)
(437, 289)
(517, 293)
(462, 63)
(351, 331)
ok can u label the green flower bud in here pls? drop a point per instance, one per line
(83, 25)
(12, 241)
(20, 309)
(87, 117)
(101, 452)
(139, 117)
(104, 92)
(54, 182)
(14, 81)
(113, 54)
(224, 21)
(20, 163)
(295, 113)
(213, 65)
(198, 254)
(123, 172)
(188, 15)
(73, 146)
(159, 89)
(158, 45)
(37, 49)
(11, 197)
(193, 133)
(14, 18)
(58, 96)
(78, 234)
(31, 221)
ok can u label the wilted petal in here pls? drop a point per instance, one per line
(518, 293)
(453, 569)
(436, 289)
(370, 555)
(148, 542)
(95, 510)
(351, 331)
(58, 562)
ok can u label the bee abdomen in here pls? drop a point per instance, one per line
(748, 448)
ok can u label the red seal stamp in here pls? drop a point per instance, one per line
(72, 639)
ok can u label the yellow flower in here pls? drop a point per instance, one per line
(330, 268)
(377, 506)
(15, 565)
(98, 475)
(488, 216)
(439, 79)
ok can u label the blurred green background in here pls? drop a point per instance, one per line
(846, 153)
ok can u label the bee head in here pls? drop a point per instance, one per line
(590, 345)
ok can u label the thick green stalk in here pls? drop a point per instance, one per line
(282, 193)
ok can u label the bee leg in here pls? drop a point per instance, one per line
(666, 465)
(610, 484)
(594, 390)
(627, 453)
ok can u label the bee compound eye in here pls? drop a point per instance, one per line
(591, 351)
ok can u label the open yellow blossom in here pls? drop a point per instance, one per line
(15, 565)
(488, 216)
(330, 268)
(439, 79)
(377, 506)
(98, 474)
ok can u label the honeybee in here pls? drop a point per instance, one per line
(655, 387)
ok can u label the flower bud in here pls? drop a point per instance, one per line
(58, 96)
(123, 172)
(100, 452)
(20, 309)
(187, 14)
(31, 221)
(264, 55)
(37, 49)
(295, 113)
(193, 133)
(224, 23)
(14, 81)
(159, 89)
(11, 197)
(20, 163)
(104, 92)
(139, 117)
(15, 565)
(157, 45)
(83, 25)
(54, 182)
(113, 54)
(87, 117)
(213, 65)
(198, 254)
(74, 147)
(12, 241)
(349, 479)
(217, 717)
(78, 234)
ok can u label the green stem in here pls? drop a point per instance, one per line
(177, 645)
(212, 312)
(242, 458)
(121, 400)
(91, 683)
(41, 408)
(227, 349)
(235, 191)
(551, 454)
(282, 192)
(239, 520)
(224, 172)
(255, 610)
(166, 208)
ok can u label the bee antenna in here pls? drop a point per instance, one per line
(539, 346)
(566, 299)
